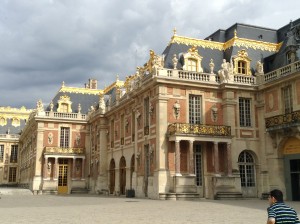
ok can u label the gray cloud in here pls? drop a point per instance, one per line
(45, 42)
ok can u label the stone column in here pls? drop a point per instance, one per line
(74, 168)
(82, 168)
(177, 158)
(216, 157)
(55, 168)
(229, 160)
(46, 168)
(192, 169)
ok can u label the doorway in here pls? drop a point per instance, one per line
(63, 176)
(295, 179)
(122, 175)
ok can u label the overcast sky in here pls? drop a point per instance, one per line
(45, 42)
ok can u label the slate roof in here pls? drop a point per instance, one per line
(81, 96)
(272, 60)
(12, 129)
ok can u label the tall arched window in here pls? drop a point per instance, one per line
(247, 169)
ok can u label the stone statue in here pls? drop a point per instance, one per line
(175, 61)
(211, 66)
(226, 71)
(101, 104)
(51, 106)
(39, 106)
(50, 138)
(259, 68)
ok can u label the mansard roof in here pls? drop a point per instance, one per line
(86, 97)
(13, 120)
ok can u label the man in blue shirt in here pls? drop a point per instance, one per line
(279, 212)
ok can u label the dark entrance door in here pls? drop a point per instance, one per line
(295, 178)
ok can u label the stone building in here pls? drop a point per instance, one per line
(12, 121)
(213, 118)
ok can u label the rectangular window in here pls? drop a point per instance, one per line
(112, 133)
(241, 67)
(12, 174)
(198, 165)
(133, 125)
(245, 112)
(1, 153)
(64, 137)
(287, 99)
(192, 65)
(14, 154)
(146, 116)
(194, 109)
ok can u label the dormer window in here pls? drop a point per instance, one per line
(242, 63)
(64, 104)
(192, 65)
(242, 67)
(192, 60)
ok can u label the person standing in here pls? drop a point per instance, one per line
(279, 212)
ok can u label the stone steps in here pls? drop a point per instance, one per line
(15, 191)
(228, 195)
(179, 196)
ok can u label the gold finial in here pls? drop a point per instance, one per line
(174, 31)
(235, 34)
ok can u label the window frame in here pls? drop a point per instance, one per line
(245, 112)
(64, 141)
(247, 169)
(195, 109)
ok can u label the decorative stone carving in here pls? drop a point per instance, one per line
(176, 107)
(214, 112)
(50, 138)
(78, 139)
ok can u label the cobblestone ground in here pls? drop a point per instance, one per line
(98, 209)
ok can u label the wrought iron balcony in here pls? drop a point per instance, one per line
(58, 150)
(199, 129)
(283, 121)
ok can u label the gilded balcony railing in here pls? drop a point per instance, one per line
(290, 119)
(58, 150)
(199, 129)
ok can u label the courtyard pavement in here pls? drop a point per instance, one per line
(89, 209)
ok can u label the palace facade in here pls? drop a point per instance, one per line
(213, 118)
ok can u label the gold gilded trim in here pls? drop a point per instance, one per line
(197, 42)
(65, 89)
(116, 84)
(13, 113)
(57, 150)
(235, 41)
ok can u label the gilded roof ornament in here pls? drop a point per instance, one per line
(65, 89)
(174, 31)
(235, 41)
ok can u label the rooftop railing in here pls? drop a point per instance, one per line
(283, 71)
(65, 115)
